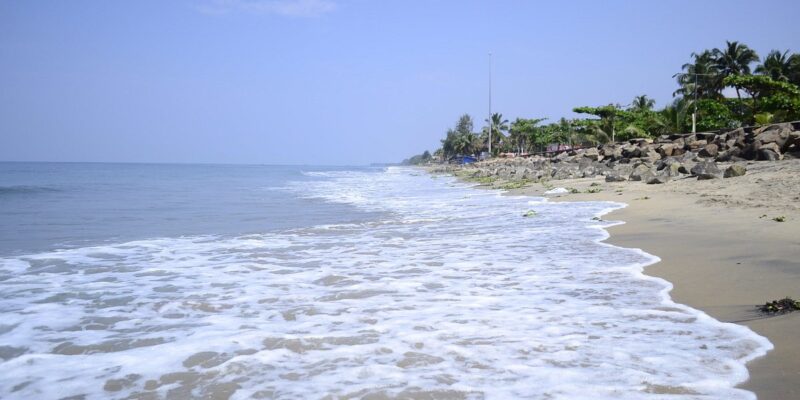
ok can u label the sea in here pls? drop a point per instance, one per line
(172, 281)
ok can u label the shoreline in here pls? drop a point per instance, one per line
(706, 275)
(720, 249)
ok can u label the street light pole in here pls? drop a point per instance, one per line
(491, 123)
(694, 114)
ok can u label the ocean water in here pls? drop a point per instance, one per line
(164, 281)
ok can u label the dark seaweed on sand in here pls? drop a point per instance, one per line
(781, 306)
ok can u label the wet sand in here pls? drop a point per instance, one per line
(722, 250)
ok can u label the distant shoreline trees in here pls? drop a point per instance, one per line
(766, 92)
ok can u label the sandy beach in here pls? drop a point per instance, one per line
(722, 250)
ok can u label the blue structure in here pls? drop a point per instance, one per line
(463, 159)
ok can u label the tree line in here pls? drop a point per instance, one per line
(767, 91)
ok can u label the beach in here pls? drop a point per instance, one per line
(721, 249)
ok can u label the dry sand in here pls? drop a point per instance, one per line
(722, 250)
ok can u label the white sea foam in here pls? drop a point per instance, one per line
(452, 295)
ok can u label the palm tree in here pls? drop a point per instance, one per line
(642, 103)
(775, 65)
(794, 69)
(701, 78)
(734, 60)
(499, 125)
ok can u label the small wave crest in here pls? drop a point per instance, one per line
(26, 189)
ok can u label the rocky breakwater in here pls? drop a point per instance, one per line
(708, 155)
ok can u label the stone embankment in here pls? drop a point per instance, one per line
(709, 155)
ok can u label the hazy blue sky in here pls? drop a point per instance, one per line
(333, 81)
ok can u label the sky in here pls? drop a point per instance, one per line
(334, 82)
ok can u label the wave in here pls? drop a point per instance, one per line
(26, 189)
(454, 295)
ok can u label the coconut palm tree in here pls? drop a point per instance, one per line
(642, 103)
(775, 65)
(794, 69)
(735, 59)
(499, 126)
(700, 79)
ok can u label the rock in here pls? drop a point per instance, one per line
(769, 155)
(592, 154)
(706, 170)
(666, 162)
(666, 149)
(735, 170)
(710, 150)
(769, 152)
(696, 145)
(675, 169)
(688, 156)
(631, 151)
(778, 137)
(652, 155)
(657, 179)
(641, 173)
(615, 177)
(750, 151)
(728, 155)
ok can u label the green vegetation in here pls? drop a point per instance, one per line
(767, 91)
(483, 180)
(419, 159)
(515, 184)
(594, 190)
(779, 219)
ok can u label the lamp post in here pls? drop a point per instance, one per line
(491, 123)
(694, 113)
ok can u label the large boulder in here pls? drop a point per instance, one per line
(592, 154)
(779, 137)
(750, 151)
(769, 152)
(675, 169)
(561, 156)
(522, 173)
(631, 151)
(706, 170)
(696, 145)
(641, 173)
(666, 149)
(710, 150)
(728, 155)
(651, 155)
(735, 170)
(657, 179)
(615, 177)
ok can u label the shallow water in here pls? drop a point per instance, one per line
(435, 290)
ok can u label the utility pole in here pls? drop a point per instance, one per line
(694, 113)
(491, 123)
